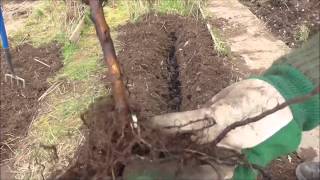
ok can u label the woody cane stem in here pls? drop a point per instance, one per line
(103, 33)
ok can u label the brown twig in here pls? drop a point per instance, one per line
(264, 114)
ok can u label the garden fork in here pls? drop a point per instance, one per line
(7, 55)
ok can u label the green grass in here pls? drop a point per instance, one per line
(63, 119)
(220, 45)
(78, 71)
(137, 8)
(43, 25)
(79, 63)
(172, 6)
(68, 50)
(84, 59)
(302, 33)
(59, 126)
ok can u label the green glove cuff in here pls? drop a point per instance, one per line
(293, 75)
(297, 74)
(292, 83)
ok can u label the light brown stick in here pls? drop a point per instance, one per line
(119, 91)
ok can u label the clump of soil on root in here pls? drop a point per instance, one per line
(283, 168)
(169, 65)
(20, 105)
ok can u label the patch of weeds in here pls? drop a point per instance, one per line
(302, 33)
(117, 15)
(89, 43)
(136, 8)
(80, 69)
(63, 118)
(43, 25)
(38, 13)
(181, 7)
(220, 45)
(58, 127)
(68, 50)
(172, 6)
(82, 60)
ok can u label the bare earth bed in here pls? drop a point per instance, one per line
(19, 106)
(285, 18)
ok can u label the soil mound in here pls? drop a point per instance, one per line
(20, 105)
(170, 64)
(285, 18)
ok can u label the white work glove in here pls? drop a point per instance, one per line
(237, 102)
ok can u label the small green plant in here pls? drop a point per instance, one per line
(220, 45)
(302, 34)
(68, 50)
(39, 13)
(136, 8)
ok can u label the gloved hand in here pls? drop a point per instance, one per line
(277, 134)
(237, 102)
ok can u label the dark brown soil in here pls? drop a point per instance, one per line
(169, 65)
(282, 168)
(284, 17)
(20, 105)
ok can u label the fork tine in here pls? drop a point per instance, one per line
(23, 83)
(16, 78)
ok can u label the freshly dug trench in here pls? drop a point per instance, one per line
(174, 84)
(169, 65)
(163, 54)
